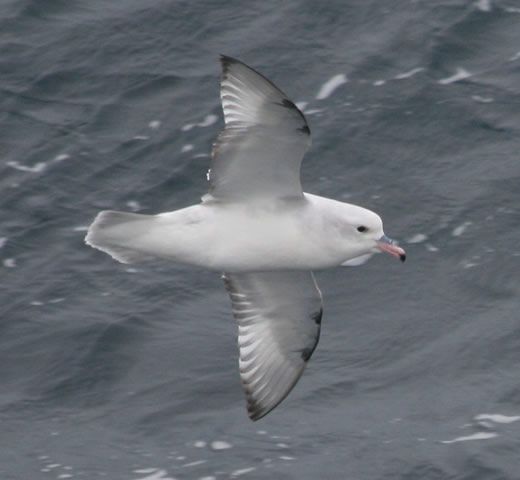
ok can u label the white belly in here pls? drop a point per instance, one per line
(242, 239)
(227, 237)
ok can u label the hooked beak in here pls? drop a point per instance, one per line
(388, 245)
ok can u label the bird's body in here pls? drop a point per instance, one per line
(260, 230)
(303, 234)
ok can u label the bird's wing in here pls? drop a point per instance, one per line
(279, 317)
(258, 154)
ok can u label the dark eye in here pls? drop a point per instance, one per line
(362, 229)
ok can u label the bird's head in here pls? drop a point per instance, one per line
(364, 231)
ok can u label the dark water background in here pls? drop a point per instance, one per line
(127, 373)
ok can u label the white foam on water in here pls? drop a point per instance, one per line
(210, 477)
(3, 241)
(65, 475)
(331, 85)
(54, 465)
(208, 120)
(36, 303)
(417, 238)
(484, 424)
(378, 83)
(194, 463)
(458, 231)
(431, 248)
(242, 471)
(154, 124)
(410, 73)
(187, 148)
(61, 157)
(480, 99)
(9, 263)
(516, 56)
(134, 205)
(286, 457)
(497, 418)
(37, 168)
(468, 264)
(483, 5)
(80, 228)
(261, 432)
(56, 300)
(460, 74)
(131, 270)
(506, 210)
(199, 444)
(282, 445)
(313, 111)
(155, 474)
(475, 436)
(220, 445)
(141, 137)
(301, 105)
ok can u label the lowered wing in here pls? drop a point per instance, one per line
(279, 318)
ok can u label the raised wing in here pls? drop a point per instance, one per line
(259, 153)
(279, 318)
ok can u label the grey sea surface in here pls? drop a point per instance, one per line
(130, 372)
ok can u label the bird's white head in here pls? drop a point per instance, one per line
(363, 231)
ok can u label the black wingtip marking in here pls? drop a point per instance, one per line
(307, 353)
(255, 414)
(317, 316)
(254, 410)
(288, 104)
(227, 61)
(292, 106)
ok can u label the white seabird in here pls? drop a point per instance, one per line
(260, 229)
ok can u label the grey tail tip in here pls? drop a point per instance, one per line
(402, 257)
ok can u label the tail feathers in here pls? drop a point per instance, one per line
(116, 233)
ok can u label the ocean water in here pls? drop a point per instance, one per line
(130, 373)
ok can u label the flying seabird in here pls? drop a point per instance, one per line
(259, 229)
